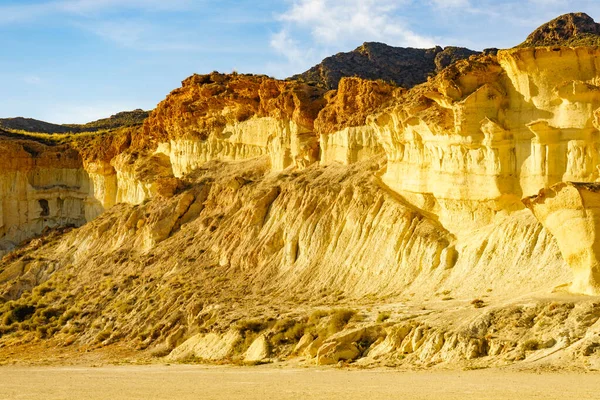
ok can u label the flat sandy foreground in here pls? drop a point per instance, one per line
(268, 382)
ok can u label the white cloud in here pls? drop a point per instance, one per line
(333, 21)
(451, 3)
(32, 12)
(549, 3)
(101, 18)
(285, 45)
(87, 6)
(334, 25)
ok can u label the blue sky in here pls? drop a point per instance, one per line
(79, 60)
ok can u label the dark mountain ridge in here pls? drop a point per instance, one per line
(122, 119)
(404, 66)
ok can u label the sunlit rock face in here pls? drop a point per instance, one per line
(486, 132)
(350, 145)
(284, 141)
(235, 117)
(140, 178)
(571, 212)
(462, 150)
(345, 136)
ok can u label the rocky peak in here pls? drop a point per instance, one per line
(403, 66)
(574, 29)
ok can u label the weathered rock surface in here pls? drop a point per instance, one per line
(484, 133)
(574, 29)
(245, 211)
(345, 136)
(571, 211)
(235, 117)
(41, 187)
(207, 347)
(259, 350)
(405, 67)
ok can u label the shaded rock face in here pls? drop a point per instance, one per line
(122, 119)
(41, 187)
(405, 67)
(574, 29)
(32, 125)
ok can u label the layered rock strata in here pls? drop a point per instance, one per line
(345, 135)
(41, 187)
(453, 158)
(235, 117)
(484, 133)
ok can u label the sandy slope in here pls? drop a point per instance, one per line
(265, 382)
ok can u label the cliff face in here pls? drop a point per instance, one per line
(405, 67)
(345, 135)
(570, 210)
(233, 117)
(487, 132)
(243, 197)
(41, 187)
(463, 148)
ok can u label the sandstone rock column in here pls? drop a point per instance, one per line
(571, 212)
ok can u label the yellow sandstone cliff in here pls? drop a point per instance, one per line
(250, 217)
(235, 117)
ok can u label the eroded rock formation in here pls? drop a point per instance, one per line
(235, 117)
(405, 67)
(41, 187)
(242, 195)
(486, 132)
(571, 212)
(345, 136)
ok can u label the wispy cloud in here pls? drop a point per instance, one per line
(106, 19)
(127, 33)
(27, 12)
(333, 25)
(284, 44)
(451, 3)
(332, 21)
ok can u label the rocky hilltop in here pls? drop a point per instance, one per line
(576, 29)
(251, 220)
(405, 67)
(32, 125)
(122, 119)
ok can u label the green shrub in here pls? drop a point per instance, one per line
(383, 316)
(338, 320)
(530, 345)
(20, 313)
(251, 325)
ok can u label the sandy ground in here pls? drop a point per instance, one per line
(268, 382)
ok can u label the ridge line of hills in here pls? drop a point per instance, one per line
(402, 66)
